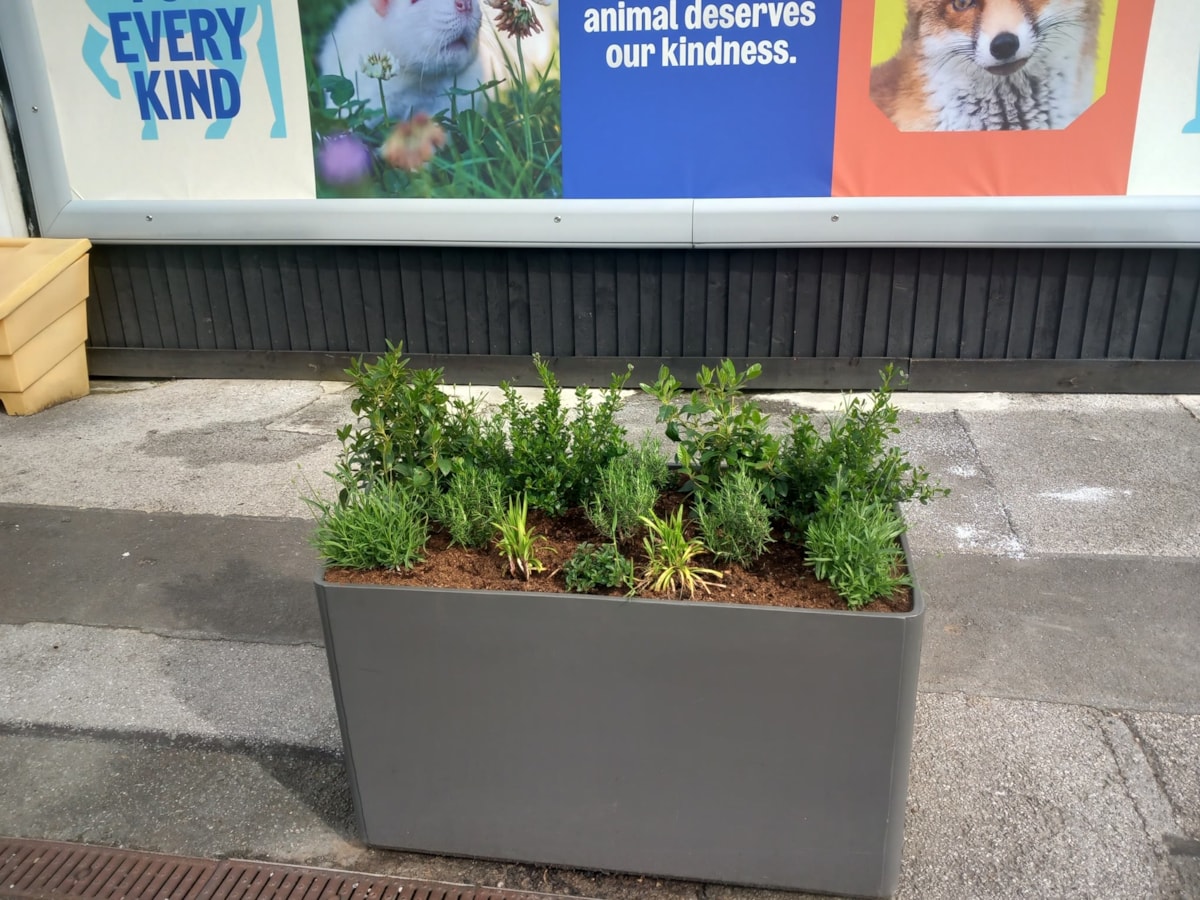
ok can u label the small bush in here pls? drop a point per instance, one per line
(625, 491)
(409, 429)
(473, 501)
(650, 458)
(557, 455)
(854, 455)
(853, 543)
(591, 567)
(734, 519)
(717, 429)
(382, 527)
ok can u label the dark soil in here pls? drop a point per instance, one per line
(779, 577)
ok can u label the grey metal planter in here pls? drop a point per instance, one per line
(705, 741)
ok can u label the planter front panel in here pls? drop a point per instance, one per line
(703, 741)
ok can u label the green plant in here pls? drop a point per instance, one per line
(734, 519)
(716, 428)
(409, 430)
(470, 506)
(381, 527)
(853, 543)
(625, 491)
(854, 455)
(591, 567)
(518, 542)
(555, 455)
(670, 555)
(650, 458)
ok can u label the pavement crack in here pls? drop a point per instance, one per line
(1139, 781)
(1187, 409)
(989, 479)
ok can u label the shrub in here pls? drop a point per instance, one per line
(555, 456)
(381, 527)
(409, 429)
(716, 429)
(853, 543)
(854, 455)
(591, 567)
(470, 506)
(734, 519)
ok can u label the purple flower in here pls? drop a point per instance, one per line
(343, 159)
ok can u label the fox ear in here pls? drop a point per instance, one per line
(381, 6)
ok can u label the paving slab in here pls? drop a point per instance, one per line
(76, 678)
(234, 577)
(1096, 477)
(1020, 799)
(1109, 632)
(181, 446)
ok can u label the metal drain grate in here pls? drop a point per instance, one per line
(50, 869)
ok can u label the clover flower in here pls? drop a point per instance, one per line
(517, 18)
(413, 143)
(343, 159)
(381, 66)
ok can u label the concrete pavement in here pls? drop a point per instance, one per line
(162, 683)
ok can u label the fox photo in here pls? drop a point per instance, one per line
(434, 98)
(989, 65)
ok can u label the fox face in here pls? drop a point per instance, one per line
(980, 65)
(998, 36)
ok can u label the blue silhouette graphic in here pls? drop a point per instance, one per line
(1193, 127)
(159, 41)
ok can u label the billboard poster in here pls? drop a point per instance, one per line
(624, 99)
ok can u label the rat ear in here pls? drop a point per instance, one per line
(381, 6)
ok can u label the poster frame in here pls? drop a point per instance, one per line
(1112, 221)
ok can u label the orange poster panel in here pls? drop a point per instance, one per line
(901, 133)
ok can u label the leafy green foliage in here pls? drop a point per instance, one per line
(518, 542)
(852, 542)
(470, 506)
(671, 556)
(381, 527)
(716, 428)
(556, 457)
(591, 567)
(409, 430)
(854, 455)
(625, 491)
(734, 519)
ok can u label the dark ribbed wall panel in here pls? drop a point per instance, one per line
(937, 303)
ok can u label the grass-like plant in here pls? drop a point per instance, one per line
(671, 555)
(734, 519)
(853, 543)
(470, 506)
(591, 567)
(518, 543)
(381, 527)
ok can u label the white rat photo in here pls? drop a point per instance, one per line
(435, 45)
